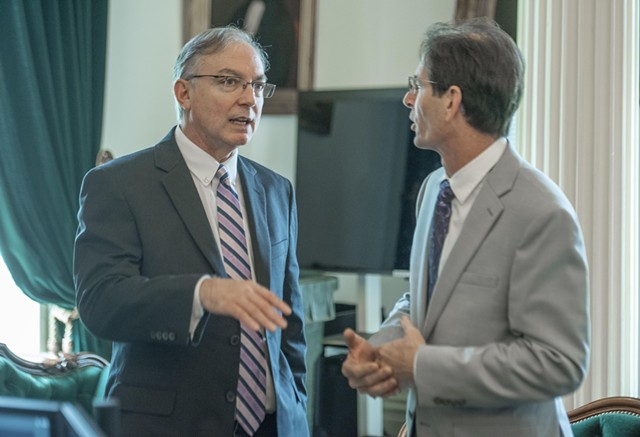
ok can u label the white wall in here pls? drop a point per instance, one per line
(372, 43)
(144, 37)
(274, 144)
(359, 44)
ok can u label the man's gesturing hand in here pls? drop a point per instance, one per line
(253, 305)
(363, 371)
(399, 354)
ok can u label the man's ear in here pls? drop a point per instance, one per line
(182, 91)
(454, 101)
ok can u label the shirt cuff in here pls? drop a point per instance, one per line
(197, 311)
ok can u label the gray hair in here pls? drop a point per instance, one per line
(208, 42)
(484, 62)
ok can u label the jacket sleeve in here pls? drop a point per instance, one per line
(116, 301)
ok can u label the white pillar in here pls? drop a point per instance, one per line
(369, 318)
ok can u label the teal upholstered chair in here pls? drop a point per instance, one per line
(77, 378)
(615, 416)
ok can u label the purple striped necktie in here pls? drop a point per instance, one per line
(252, 391)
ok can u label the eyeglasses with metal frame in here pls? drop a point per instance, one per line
(416, 84)
(230, 84)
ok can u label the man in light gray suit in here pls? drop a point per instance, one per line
(504, 333)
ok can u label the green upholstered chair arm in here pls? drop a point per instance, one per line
(608, 424)
(616, 416)
(77, 378)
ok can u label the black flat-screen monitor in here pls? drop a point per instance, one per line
(357, 179)
(21, 417)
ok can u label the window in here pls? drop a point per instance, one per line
(19, 317)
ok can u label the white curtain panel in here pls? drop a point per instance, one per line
(578, 123)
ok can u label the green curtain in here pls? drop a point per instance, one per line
(52, 69)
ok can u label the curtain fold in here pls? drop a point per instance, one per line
(52, 68)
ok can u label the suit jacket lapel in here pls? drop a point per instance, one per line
(184, 196)
(256, 206)
(419, 250)
(486, 209)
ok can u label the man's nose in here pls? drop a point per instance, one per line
(248, 96)
(409, 99)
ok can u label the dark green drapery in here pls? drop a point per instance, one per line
(52, 68)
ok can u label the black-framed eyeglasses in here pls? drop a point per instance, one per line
(416, 84)
(231, 84)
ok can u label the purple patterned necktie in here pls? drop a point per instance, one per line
(438, 232)
(252, 392)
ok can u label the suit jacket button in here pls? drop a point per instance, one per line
(231, 396)
(234, 340)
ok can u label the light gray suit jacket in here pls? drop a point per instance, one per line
(507, 329)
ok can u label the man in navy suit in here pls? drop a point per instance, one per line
(150, 275)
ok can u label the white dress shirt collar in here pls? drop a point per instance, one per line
(202, 165)
(466, 180)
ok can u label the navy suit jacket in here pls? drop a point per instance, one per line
(143, 242)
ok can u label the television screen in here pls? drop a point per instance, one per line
(357, 179)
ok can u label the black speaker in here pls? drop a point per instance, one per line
(336, 404)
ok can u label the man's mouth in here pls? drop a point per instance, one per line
(243, 121)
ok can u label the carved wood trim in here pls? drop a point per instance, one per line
(60, 366)
(612, 404)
